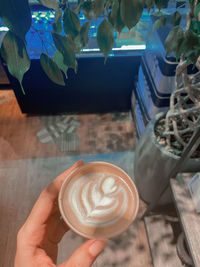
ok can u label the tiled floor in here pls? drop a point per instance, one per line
(61, 135)
(33, 150)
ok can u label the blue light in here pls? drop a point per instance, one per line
(4, 29)
(42, 26)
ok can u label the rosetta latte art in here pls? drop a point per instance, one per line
(98, 200)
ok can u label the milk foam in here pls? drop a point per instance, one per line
(94, 198)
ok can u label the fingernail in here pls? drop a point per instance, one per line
(78, 163)
(97, 247)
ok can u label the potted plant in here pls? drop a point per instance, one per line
(166, 135)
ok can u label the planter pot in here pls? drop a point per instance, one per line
(182, 251)
(153, 164)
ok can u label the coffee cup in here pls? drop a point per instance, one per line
(98, 200)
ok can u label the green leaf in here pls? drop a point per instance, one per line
(114, 16)
(131, 11)
(176, 18)
(76, 66)
(58, 58)
(76, 9)
(66, 47)
(159, 22)
(71, 23)
(119, 25)
(57, 26)
(84, 33)
(80, 2)
(14, 53)
(77, 44)
(51, 69)
(174, 40)
(197, 10)
(16, 15)
(149, 4)
(192, 46)
(93, 9)
(192, 39)
(193, 55)
(179, 48)
(191, 2)
(98, 7)
(115, 9)
(161, 3)
(195, 26)
(105, 38)
(53, 4)
(88, 9)
(110, 19)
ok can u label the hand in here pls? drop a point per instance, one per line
(38, 238)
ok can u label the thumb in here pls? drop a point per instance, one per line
(86, 254)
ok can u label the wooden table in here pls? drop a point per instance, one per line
(189, 218)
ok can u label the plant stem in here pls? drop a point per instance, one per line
(183, 112)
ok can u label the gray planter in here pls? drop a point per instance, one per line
(153, 164)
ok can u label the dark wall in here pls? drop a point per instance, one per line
(95, 88)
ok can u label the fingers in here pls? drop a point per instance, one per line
(45, 203)
(56, 228)
(86, 254)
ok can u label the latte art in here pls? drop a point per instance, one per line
(98, 199)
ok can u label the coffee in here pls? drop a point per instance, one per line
(98, 200)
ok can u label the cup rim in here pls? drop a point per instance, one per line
(67, 179)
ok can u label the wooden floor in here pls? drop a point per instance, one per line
(28, 162)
